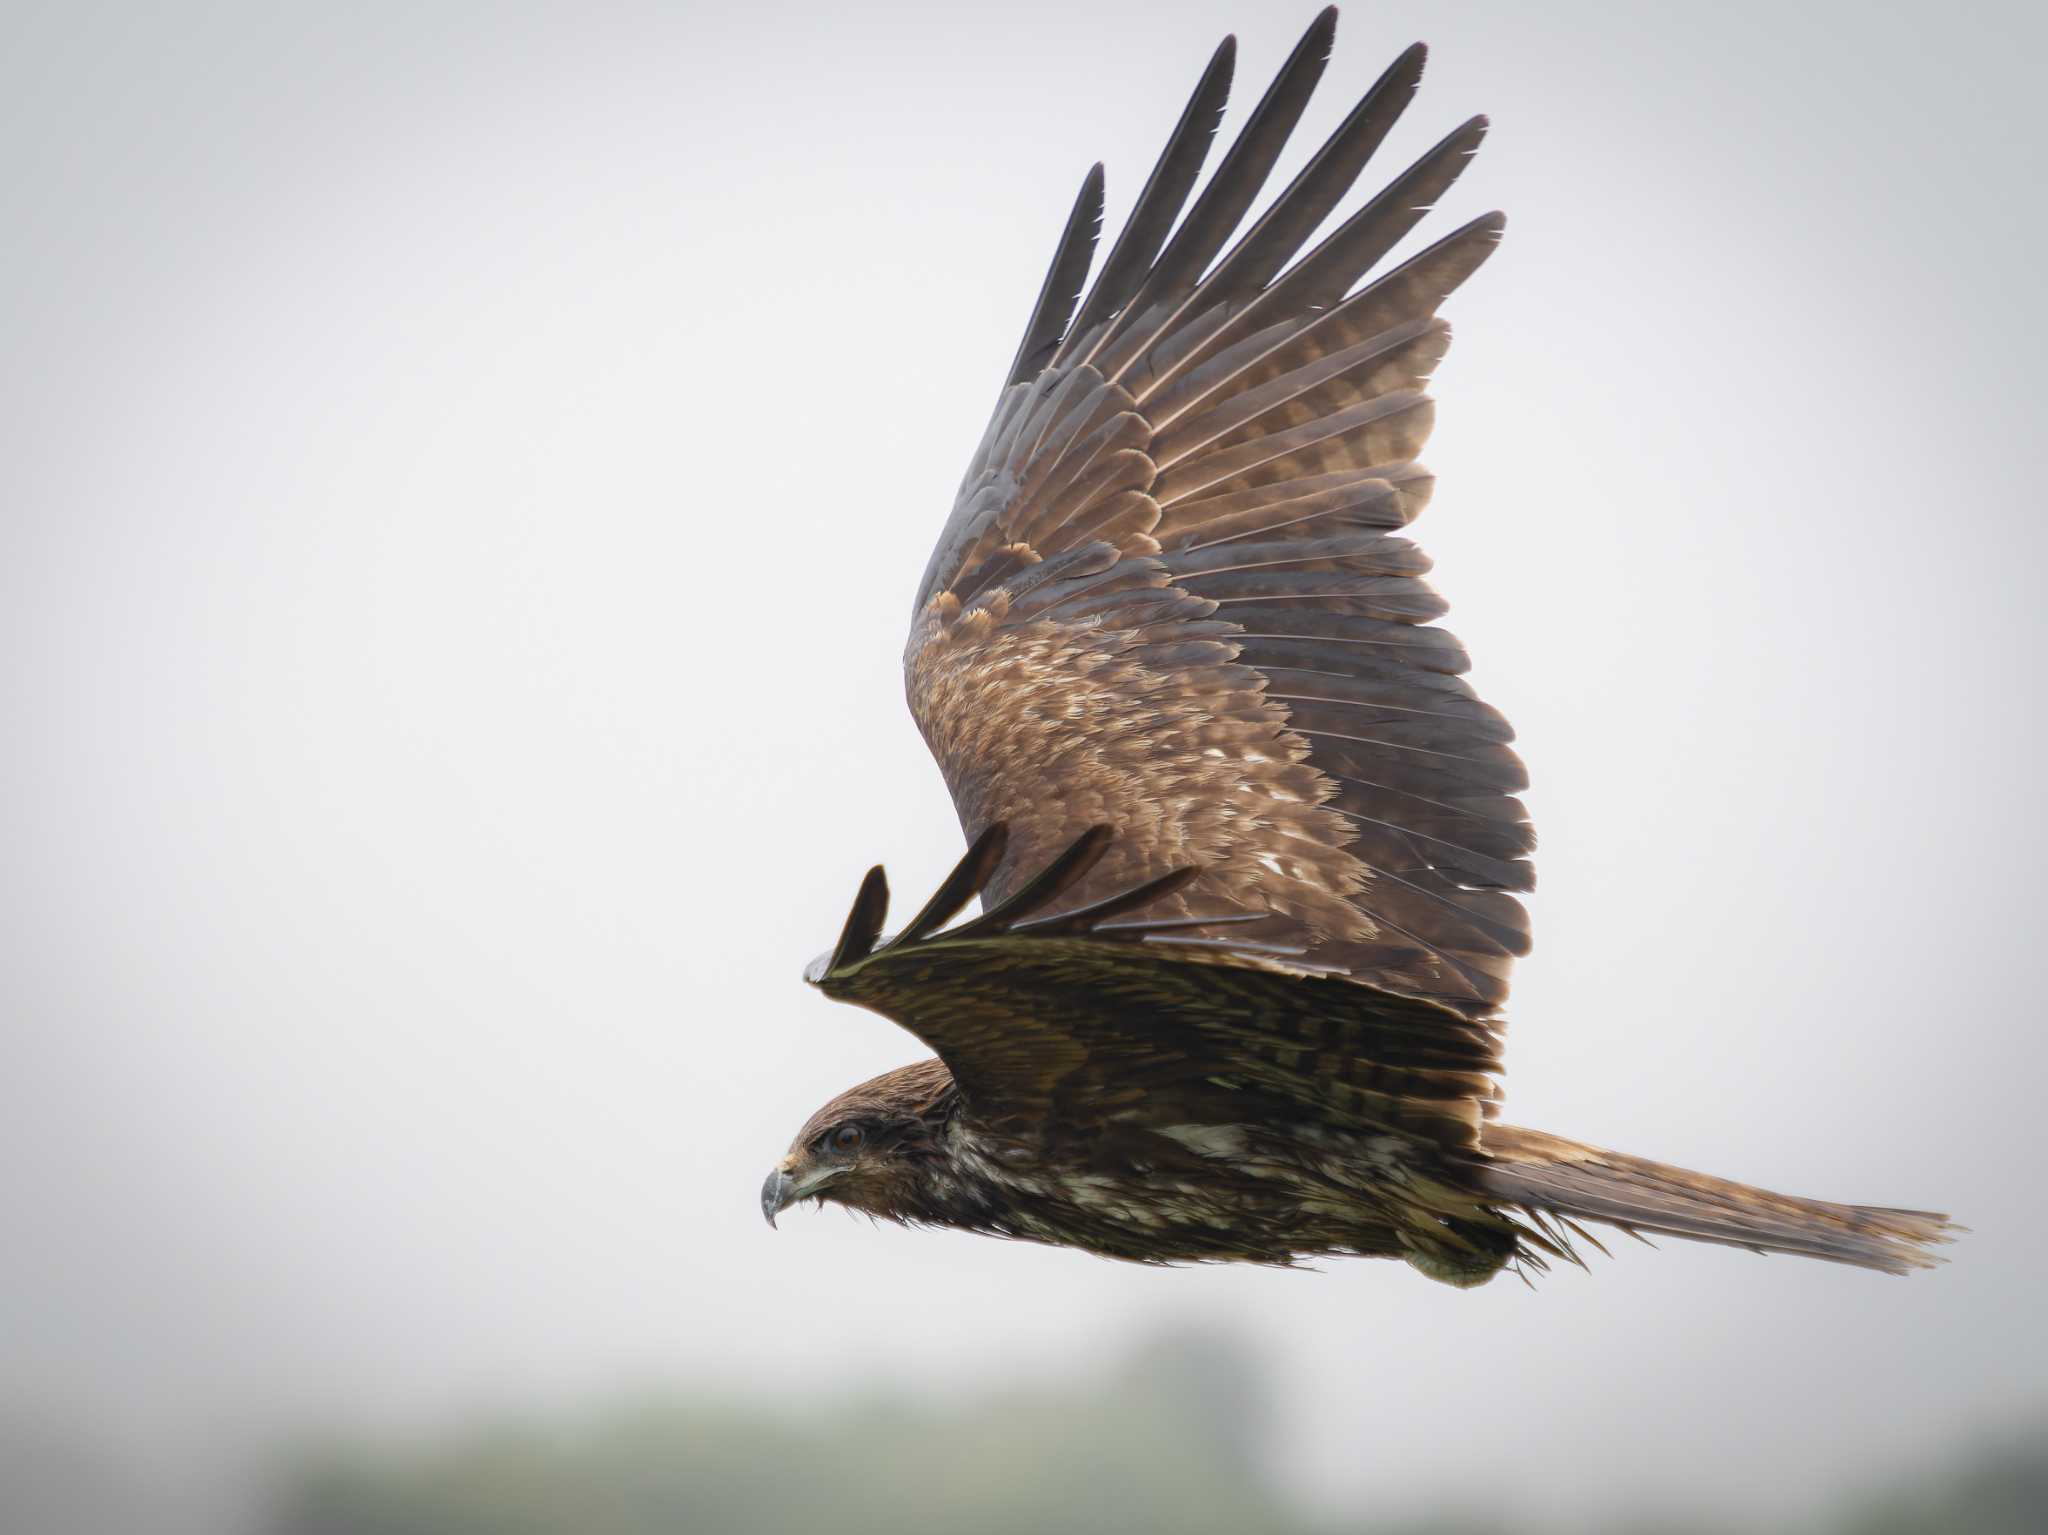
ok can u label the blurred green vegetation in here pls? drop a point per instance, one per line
(1154, 1446)
(1161, 1443)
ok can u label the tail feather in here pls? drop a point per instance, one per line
(1547, 1173)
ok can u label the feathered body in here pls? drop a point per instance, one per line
(1211, 1190)
(1249, 845)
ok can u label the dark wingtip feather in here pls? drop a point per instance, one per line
(1272, 241)
(1163, 196)
(1226, 199)
(1054, 880)
(863, 922)
(969, 878)
(971, 875)
(1061, 290)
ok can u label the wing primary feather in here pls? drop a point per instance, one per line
(1281, 230)
(1232, 945)
(969, 877)
(863, 922)
(1054, 880)
(1143, 925)
(1063, 280)
(1165, 194)
(1325, 274)
(1084, 919)
(1224, 201)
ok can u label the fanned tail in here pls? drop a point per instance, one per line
(1547, 1173)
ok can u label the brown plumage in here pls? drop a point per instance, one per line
(1250, 846)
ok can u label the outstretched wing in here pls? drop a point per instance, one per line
(1171, 596)
(1057, 1018)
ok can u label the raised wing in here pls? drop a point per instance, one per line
(1061, 1018)
(1171, 596)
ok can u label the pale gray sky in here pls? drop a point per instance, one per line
(466, 472)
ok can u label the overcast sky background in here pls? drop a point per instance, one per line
(466, 472)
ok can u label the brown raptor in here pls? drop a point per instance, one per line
(1249, 847)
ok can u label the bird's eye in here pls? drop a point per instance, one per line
(847, 1138)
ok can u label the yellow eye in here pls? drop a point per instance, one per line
(847, 1138)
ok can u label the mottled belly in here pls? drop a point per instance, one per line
(1224, 1194)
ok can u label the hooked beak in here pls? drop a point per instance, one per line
(785, 1188)
(777, 1195)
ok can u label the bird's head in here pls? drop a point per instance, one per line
(871, 1148)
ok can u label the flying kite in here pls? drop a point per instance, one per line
(1248, 846)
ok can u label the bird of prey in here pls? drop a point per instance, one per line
(1248, 845)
